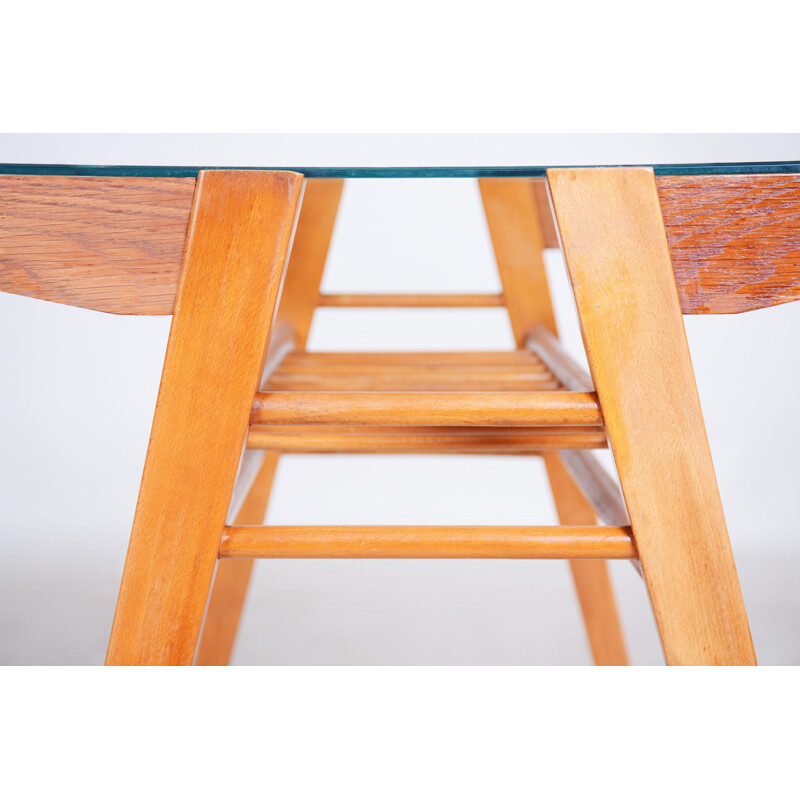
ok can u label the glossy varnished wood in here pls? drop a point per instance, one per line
(298, 301)
(413, 439)
(426, 541)
(115, 243)
(109, 244)
(619, 265)
(235, 255)
(734, 240)
(425, 408)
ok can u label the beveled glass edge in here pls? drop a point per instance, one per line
(744, 168)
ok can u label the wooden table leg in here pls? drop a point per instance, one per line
(233, 577)
(299, 299)
(618, 259)
(234, 261)
(592, 581)
(514, 215)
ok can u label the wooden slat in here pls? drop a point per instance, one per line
(235, 257)
(619, 265)
(432, 439)
(411, 300)
(426, 408)
(109, 244)
(416, 370)
(426, 542)
(734, 240)
(284, 381)
(504, 358)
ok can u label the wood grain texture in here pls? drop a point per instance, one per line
(591, 578)
(108, 244)
(413, 439)
(619, 265)
(425, 408)
(734, 240)
(298, 300)
(426, 541)
(235, 256)
(233, 576)
(320, 367)
(426, 380)
(521, 224)
(514, 221)
(115, 244)
(312, 239)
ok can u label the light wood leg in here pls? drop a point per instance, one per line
(233, 576)
(516, 219)
(619, 265)
(235, 256)
(592, 581)
(299, 299)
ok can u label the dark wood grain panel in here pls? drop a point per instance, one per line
(109, 244)
(734, 240)
(115, 243)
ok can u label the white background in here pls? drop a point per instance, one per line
(78, 390)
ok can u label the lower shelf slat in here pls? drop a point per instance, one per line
(425, 541)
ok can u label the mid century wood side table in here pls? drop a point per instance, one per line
(643, 245)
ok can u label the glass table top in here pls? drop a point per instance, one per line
(743, 168)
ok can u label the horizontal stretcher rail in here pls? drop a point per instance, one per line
(327, 382)
(427, 542)
(532, 369)
(387, 439)
(411, 300)
(426, 408)
(453, 357)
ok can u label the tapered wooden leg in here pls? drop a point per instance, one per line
(619, 264)
(233, 576)
(520, 228)
(592, 581)
(299, 299)
(235, 256)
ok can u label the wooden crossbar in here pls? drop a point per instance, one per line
(427, 542)
(426, 408)
(421, 439)
(415, 359)
(411, 300)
